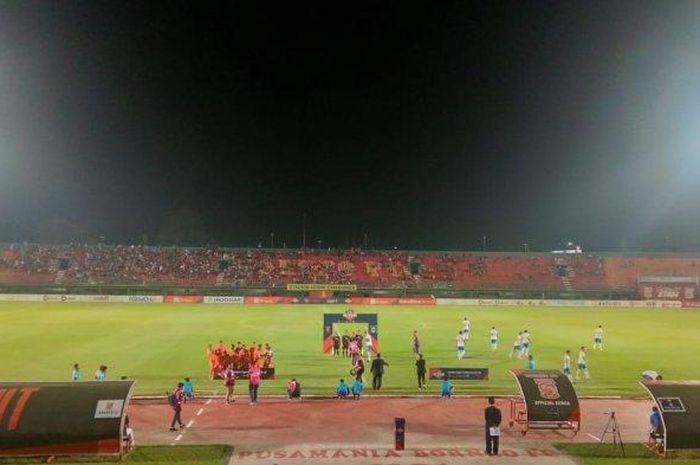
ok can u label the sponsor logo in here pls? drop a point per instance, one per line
(223, 299)
(142, 299)
(548, 388)
(110, 408)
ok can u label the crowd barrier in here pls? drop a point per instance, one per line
(272, 300)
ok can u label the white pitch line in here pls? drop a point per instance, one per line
(172, 443)
(179, 436)
(209, 401)
(199, 412)
(189, 423)
(596, 438)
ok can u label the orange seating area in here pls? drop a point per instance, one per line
(142, 265)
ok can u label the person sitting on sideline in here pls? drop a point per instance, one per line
(656, 433)
(446, 388)
(101, 373)
(357, 389)
(342, 390)
(294, 389)
(129, 439)
(76, 375)
(188, 389)
(531, 364)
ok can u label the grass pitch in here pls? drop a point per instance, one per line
(159, 344)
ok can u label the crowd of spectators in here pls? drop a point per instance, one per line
(210, 266)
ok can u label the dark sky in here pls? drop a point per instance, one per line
(425, 126)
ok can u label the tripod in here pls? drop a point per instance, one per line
(613, 430)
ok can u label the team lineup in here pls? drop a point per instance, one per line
(357, 347)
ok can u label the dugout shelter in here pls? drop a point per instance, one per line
(547, 401)
(63, 419)
(679, 406)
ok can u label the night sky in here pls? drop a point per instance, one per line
(425, 126)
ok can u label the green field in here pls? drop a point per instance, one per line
(160, 344)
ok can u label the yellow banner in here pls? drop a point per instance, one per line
(321, 287)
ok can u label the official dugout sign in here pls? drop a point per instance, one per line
(550, 399)
(62, 418)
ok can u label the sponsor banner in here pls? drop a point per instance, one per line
(265, 373)
(679, 403)
(321, 287)
(669, 279)
(691, 304)
(89, 423)
(269, 300)
(561, 303)
(391, 301)
(223, 299)
(666, 292)
(549, 396)
(20, 298)
(183, 299)
(459, 373)
(137, 299)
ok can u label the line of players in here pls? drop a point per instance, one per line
(521, 348)
(349, 345)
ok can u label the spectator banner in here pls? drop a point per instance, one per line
(183, 299)
(679, 405)
(321, 287)
(62, 418)
(549, 398)
(270, 300)
(391, 301)
(223, 299)
(459, 373)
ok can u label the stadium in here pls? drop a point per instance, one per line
(369, 234)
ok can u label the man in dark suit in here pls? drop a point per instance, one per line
(377, 370)
(492, 415)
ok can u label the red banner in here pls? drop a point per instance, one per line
(391, 301)
(183, 299)
(666, 292)
(691, 304)
(269, 300)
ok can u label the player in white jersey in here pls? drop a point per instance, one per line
(368, 345)
(466, 328)
(598, 338)
(524, 344)
(516, 345)
(582, 365)
(493, 338)
(566, 366)
(461, 340)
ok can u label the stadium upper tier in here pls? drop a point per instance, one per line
(129, 265)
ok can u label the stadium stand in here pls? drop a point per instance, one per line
(145, 265)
